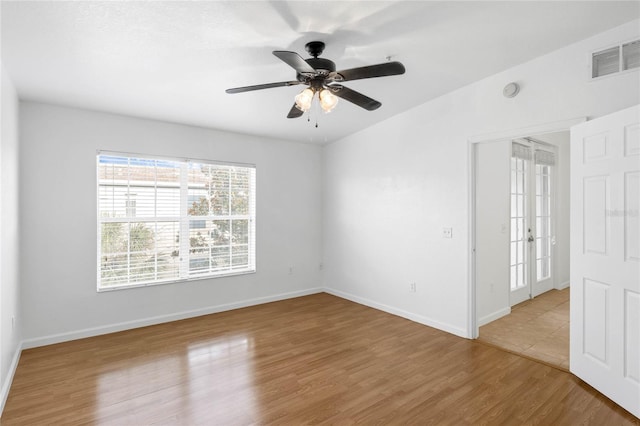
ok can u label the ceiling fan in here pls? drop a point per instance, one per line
(321, 77)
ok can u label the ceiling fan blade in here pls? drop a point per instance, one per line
(295, 112)
(355, 97)
(295, 61)
(262, 86)
(371, 71)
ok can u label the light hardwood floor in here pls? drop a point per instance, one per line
(537, 328)
(312, 360)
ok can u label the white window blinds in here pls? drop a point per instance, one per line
(168, 220)
(520, 151)
(546, 158)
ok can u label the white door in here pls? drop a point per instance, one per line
(605, 256)
(531, 220)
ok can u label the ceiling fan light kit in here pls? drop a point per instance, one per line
(320, 76)
(304, 99)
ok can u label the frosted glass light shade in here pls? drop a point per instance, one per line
(304, 98)
(328, 100)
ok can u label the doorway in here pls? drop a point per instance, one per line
(532, 218)
(521, 236)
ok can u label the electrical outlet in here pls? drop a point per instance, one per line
(412, 287)
(321, 267)
(290, 270)
(13, 322)
(447, 232)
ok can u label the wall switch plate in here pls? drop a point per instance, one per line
(412, 287)
(447, 232)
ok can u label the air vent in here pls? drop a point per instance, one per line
(615, 59)
(631, 55)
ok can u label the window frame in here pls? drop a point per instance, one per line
(183, 221)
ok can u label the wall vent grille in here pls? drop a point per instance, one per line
(623, 57)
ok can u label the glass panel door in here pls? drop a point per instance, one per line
(531, 222)
(543, 230)
(519, 231)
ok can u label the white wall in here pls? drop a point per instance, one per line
(390, 189)
(58, 214)
(10, 335)
(492, 180)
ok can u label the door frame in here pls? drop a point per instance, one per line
(551, 127)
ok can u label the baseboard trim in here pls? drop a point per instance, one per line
(6, 386)
(144, 322)
(563, 285)
(399, 312)
(493, 316)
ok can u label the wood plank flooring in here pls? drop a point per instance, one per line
(311, 360)
(537, 328)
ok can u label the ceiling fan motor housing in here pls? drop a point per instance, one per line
(321, 64)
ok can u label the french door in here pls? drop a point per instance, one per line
(532, 220)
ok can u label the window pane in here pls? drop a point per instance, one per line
(219, 190)
(539, 270)
(198, 202)
(168, 250)
(521, 281)
(239, 191)
(240, 234)
(521, 230)
(539, 243)
(520, 187)
(520, 206)
(546, 267)
(220, 257)
(199, 238)
(220, 232)
(520, 253)
(240, 256)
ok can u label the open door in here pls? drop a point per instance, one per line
(605, 256)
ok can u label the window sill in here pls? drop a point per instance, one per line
(180, 281)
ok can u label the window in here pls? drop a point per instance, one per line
(171, 220)
(615, 59)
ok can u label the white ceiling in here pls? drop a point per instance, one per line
(172, 61)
